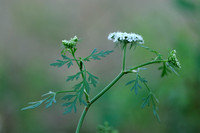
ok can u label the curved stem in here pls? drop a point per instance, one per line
(82, 118)
(107, 88)
(95, 98)
(102, 92)
(110, 85)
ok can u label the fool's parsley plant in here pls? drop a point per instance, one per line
(80, 93)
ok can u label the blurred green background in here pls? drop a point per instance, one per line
(30, 37)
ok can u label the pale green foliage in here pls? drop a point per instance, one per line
(49, 100)
(95, 55)
(70, 105)
(60, 63)
(92, 79)
(151, 98)
(136, 83)
(165, 70)
(76, 76)
(84, 86)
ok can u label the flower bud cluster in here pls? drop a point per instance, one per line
(123, 37)
(173, 59)
(71, 43)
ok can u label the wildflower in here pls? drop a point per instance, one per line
(125, 38)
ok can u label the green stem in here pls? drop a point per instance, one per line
(110, 85)
(87, 96)
(75, 58)
(102, 92)
(95, 98)
(79, 65)
(107, 87)
(124, 58)
(145, 64)
(82, 118)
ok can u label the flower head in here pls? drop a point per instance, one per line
(123, 37)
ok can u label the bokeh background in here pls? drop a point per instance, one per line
(30, 38)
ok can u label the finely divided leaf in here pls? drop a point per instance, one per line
(33, 105)
(68, 97)
(48, 101)
(92, 79)
(142, 80)
(65, 57)
(97, 56)
(101, 54)
(151, 99)
(60, 63)
(69, 105)
(78, 86)
(93, 52)
(83, 102)
(68, 109)
(172, 67)
(146, 101)
(66, 104)
(155, 108)
(164, 69)
(86, 86)
(76, 76)
(136, 85)
(130, 82)
(69, 64)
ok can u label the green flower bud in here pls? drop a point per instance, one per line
(173, 59)
(75, 39)
(71, 43)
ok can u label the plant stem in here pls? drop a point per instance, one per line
(83, 77)
(95, 98)
(82, 118)
(145, 64)
(103, 91)
(107, 88)
(110, 85)
(124, 58)
(75, 58)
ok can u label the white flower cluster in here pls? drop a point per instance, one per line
(118, 37)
